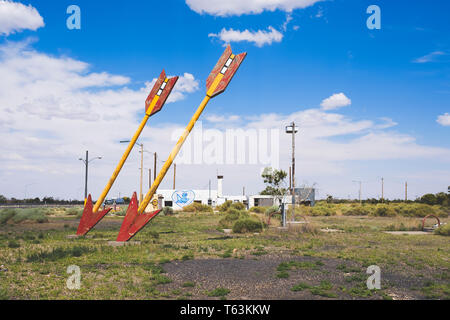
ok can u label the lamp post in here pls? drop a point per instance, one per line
(86, 163)
(292, 129)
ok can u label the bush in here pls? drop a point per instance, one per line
(247, 225)
(258, 209)
(231, 216)
(358, 210)
(33, 214)
(58, 253)
(238, 206)
(271, 210)
(167, 211)
(197, 207)
(383, 210)
(322, 211)
(6, 215)
(73, 211)
(443, 230)
(224, 206)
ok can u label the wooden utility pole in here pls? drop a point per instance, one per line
(154, 167)
(174, 174)
(382, 189)
(149, 178)
(290, 179)
(406, 191)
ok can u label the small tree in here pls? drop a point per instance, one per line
(274, 180)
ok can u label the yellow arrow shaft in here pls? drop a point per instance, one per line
(148, 197)
(173, 154)
(125, 155)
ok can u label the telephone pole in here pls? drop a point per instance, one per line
(406, 191)
(292, 129)
(360, 186)
(382, 189)
(154, 167)
(174, 174)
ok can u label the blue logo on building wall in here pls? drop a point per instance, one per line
(183, 198)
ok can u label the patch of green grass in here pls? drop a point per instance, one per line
(218, 292)
(282, 275)
(58, 253)
(347, 269)
(433, 290)
(301, 286)
(443, 230)
(13, 244)
(323, 290)
(188, 284)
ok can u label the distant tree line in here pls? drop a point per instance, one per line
(440, 198)
(37, 201)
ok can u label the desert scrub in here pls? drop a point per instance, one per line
(6, 215)
(247, 225)
(357, 210)
(323, 211)
(58, 253)
(73, 211)
(197, 207)
(258, 209)
(33, 214)
(231, 216)
(443, 230)
(383, 210)
(218, 292)
(167, 211)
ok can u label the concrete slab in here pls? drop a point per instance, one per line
(331, 230)
(123, 243)
(75, 236)
(408, 232)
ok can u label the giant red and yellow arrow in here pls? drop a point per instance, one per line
(136, 217)
(154, 103)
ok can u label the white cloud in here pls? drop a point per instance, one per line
(239, 7)
(444, 119)
(222, 119)
(429, 57)
(336, 101)
(15, 17)
(259, 38)
(52, 108)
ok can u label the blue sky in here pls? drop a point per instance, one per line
(396, 77)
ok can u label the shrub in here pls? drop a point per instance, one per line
(357, 210)
(383, 210)
(13, 244)
(167, 211)
(247, 225)
(224, 206)
(34, 214)
(197, 207)
(58, 253)
(238, 206)
(258, 209)
(219, 292)
(322, 211)
(271, 210)
(443, 230)
(6, 215)
(73, 211)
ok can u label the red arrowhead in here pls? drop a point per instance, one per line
(229, 70)
(89, 218)
(133, 221)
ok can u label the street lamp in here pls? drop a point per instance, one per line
(86, 163)
(292, 129)
(142, 165)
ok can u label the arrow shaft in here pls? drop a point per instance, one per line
(173, 154)
(125, 155)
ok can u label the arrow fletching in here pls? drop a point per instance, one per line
(161, 90)
(223, 72)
